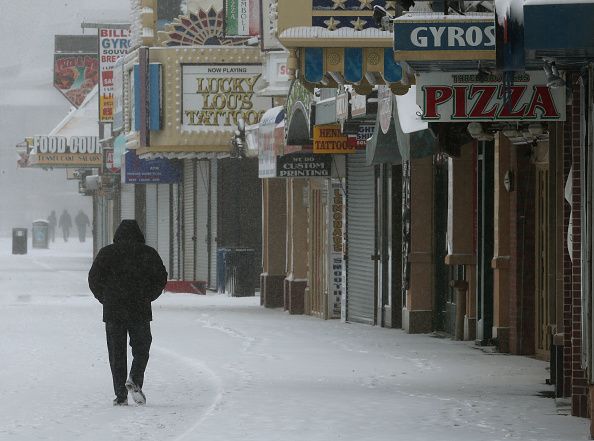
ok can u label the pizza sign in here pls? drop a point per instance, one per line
(462, 97)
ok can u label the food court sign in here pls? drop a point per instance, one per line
(220, 95)
(462, 97)
(62, 152)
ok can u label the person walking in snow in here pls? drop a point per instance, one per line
(51, 225)
(126, 277)
(82, 220)
(65, 223)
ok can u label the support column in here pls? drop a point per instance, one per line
(417, 315)
(501, 245)
(461, 219)
(274, 242)
(296, 280)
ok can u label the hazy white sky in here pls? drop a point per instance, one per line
(29, 104)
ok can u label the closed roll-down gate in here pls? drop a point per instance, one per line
(151, 216)
(202, 219)
(188, 227)
(127, 202)
(164, 225)
(176, 231)
(360, 239)
(213, 223)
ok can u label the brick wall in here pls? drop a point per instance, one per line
(574, 376)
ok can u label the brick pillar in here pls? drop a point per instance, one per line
(575, 376)
(274, 242)
(417, 315)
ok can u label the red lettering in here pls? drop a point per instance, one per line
(507, 110)
(460, 102)
(434, 96)
(485, 93)
(542, 99)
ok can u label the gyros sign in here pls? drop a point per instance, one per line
(464, 38)
(461, 97)
(61, 144)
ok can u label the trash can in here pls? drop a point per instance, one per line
(19, 241)
(221, 252)
(40, 234)
(240, 272)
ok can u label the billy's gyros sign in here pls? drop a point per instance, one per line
(62, 152)
(460, 97)
(221, 95)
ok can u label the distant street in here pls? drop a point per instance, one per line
(225, 369)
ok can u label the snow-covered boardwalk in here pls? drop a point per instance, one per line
(225, 369)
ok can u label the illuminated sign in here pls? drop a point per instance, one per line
(220, 95)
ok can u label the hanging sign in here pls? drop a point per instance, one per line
(303, 165)
(336, 227)
(442, 38)
(75, 75)
(328, 138)
(113, 44)
(461, 97)
(149, 171)
(384, 107)
(62, 152)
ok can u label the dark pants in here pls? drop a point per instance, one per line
(140, 342)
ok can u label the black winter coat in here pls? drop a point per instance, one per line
(127, 276)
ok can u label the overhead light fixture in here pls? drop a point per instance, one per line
(475, 129)
(554, 80)
(482, 73)
(535, 129)
(382, 18)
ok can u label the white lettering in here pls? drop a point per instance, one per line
(416, 39)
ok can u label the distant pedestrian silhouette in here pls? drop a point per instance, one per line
(82, 220)
(51, 225)
(65, 223)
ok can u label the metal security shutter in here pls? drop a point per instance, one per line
(213, 223)
(163, 225)
(188, 221)
(202, 218)
(176, 231)
(151, 215)
(360, 239)
(127, 202)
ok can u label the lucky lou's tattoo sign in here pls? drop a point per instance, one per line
(461, 97)
(220, 95)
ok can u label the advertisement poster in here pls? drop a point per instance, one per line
(76, 75)
(242, 18)
(113, 44)
(337, 267)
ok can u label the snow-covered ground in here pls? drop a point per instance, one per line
(225, 369)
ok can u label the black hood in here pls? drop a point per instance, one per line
(128, 231)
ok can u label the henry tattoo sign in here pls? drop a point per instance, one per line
(450, 97)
